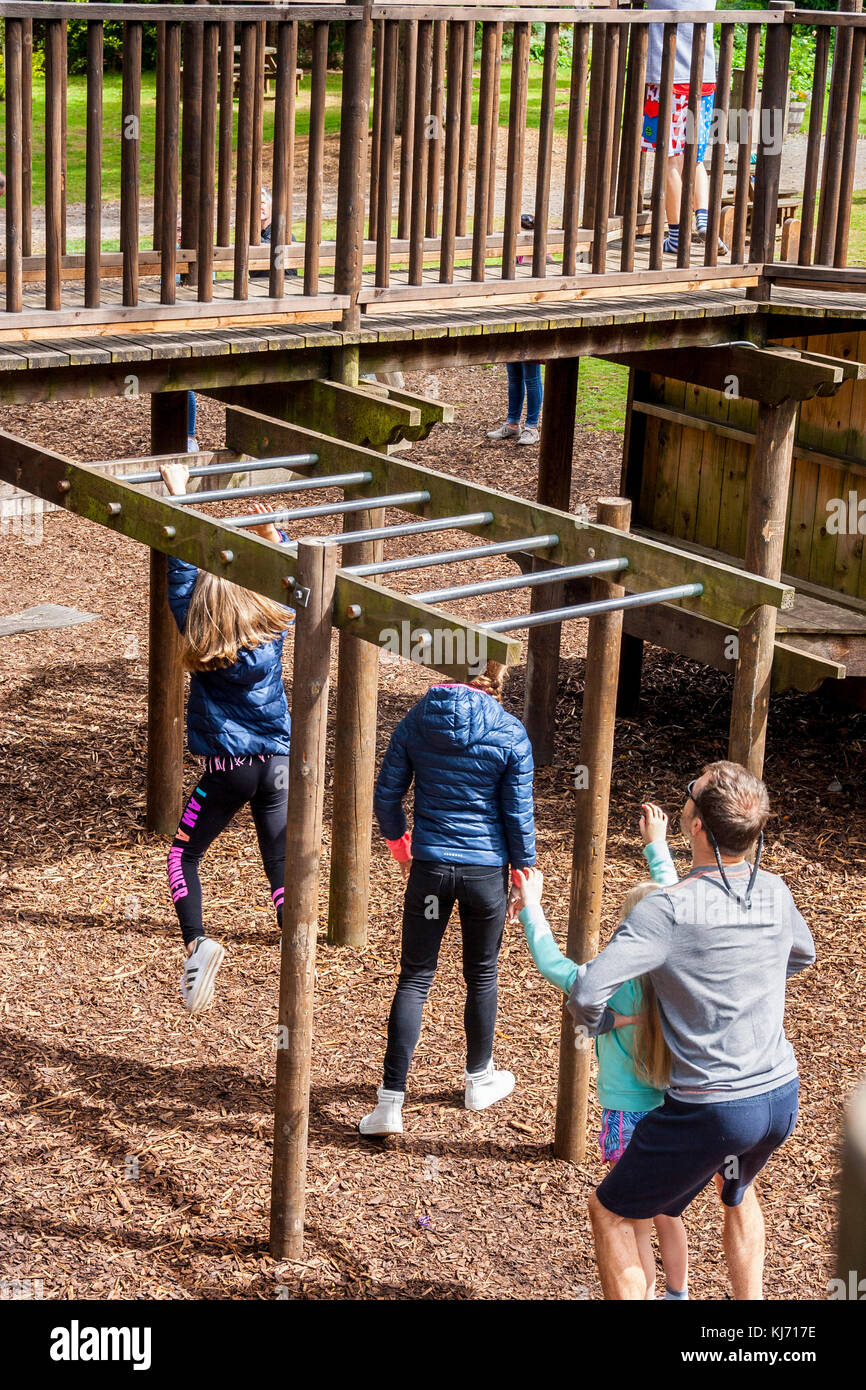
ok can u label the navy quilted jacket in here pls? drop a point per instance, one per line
(242, 708)
(472, 765)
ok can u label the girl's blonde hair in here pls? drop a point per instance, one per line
(492, 681)
(222, 618)
(652, 1056)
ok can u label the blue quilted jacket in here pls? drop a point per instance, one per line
(241, 709)
(472, 765)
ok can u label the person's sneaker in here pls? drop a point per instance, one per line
(486, 1087)
(199, 973)
(505, 431)
(528, 435)
(701, 237)
(387, 1118)
(192, 445)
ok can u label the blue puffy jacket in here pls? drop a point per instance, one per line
(472, 765)
(240, 709)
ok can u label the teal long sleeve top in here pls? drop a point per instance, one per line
(619, 1086)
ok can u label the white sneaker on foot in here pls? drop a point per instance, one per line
(486, 1087)
(199, 973)
(505, 431)
(528, 435)
(192, 445)
(387, 1118)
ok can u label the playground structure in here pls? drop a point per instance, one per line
(287, 363)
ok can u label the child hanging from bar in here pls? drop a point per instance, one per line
(633, 1058)
(238, 724)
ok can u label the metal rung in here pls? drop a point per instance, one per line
(522, 581)
(413, 528)
(227, 494)
(453, 557)
(359, 504)
(588, 610)
(209, 470)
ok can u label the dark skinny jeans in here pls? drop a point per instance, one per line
(481, 893)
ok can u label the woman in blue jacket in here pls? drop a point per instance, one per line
(238, 723)
(472, 767)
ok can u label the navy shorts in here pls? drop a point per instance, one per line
(675, 1151)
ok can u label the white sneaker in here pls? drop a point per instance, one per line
(192, 445)
(486, 1087)
(387, 1118)
(199, 973)
(505, 431)
(528, 435)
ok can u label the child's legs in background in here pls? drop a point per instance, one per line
(482, 895)
(674, 1248)
(191, 414)
(427, 906)
(269, 805)
(532, 382)
(216, 799)
(515, 392)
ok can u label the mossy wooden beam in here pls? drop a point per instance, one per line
(769, 375)
(728, 595)
(385, 618)
(349, 412)
(433, 412)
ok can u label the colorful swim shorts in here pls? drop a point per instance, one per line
(617, 1127)
(677, 142)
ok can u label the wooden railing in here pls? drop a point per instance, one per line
(426, 211)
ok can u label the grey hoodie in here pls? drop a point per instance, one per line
(719, 972)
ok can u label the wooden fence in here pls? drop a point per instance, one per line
(424, 213)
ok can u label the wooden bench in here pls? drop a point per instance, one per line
(270, 72)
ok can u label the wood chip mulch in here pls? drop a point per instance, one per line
(136, 1139)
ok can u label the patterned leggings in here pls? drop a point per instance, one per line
(260, 781)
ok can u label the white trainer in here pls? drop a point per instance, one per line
(199, 973)
(387, 1118)
(486, 1087)
(528, 435)
(505, 431)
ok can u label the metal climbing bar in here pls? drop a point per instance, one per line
(210, 470)
(412, 528)
(358, 504)
(589, 610)
(453, 557)
(522, 581)
(227, 494)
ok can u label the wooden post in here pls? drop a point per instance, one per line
(207, 160)
(774, 94)
(407, 129)
(554, 490)
(27, 136)
(450, 194)
(258, 137)
(315, 159)
(516, 148)
(54, 83)
(851, 1239)
(159, 135)
(376, 132)
(244, 186)
(354, 118)
(14, 172)
(168, 424)
(765, 543)
(130, 158)
(93, 167)
(633, 449)
(494, 126)
(284, 155)
(226, 121)
(168, 203)
(574, 148)
(437, 101)
(545, 149)
(190, 152)
(465, 124)
(354, 763)
(590, 836)
(316, 573)
(386, 151)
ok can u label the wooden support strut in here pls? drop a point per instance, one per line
(592, 799)
(168, 435)
(317, 568)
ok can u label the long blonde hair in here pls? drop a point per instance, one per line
(652, 1056)
(222, 618)
(492, 680)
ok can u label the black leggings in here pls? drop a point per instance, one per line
(481, 893)
(262, 781)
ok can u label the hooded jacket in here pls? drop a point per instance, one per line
(472, 766)
(240, 709)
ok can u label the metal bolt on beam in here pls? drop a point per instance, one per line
(354, 610)
(227, 556)
(114, 509)
(64, 485)
(169, 532)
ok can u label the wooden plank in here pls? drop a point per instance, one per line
(516, 147)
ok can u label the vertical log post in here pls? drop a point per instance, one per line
(207, 159)
(849, 157)
(258, 137)
(190, 153)
(386, 151)
(765, 544)
(130, 158)
(516, 148)
(774, 97)
(159, 135)
(27, 137)
(483, 151)
(14, 172)
(376, 132)
(663, 135)
(407, 130)
(316, 159)
(851, 1238)
(574, 148)
(690, 153)
(494, 127)
(93, 167)
(465, 124)
(590, 836)
(54, 85)
(437, 99)
(633, 449)
(813, 148)
(354, 119)
(354, 763)
(545, 149)
(244, 188)
(554, 490)
(226, 122)
(831, 170)
(168, 424)
(316, 573)
(284, 156)
(64, 89)
(168, 154)
(604, 170)
(593, 122)
(450, 196)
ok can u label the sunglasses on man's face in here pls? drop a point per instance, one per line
(690, 789)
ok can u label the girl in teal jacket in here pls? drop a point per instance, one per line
(632, 1059)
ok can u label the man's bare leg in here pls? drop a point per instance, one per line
(619, 1263)
(743, 1243)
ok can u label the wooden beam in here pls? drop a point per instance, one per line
(165, 680)
(762, 374)
(352, 413)
(729, 594)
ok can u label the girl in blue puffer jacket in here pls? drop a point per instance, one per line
(472, 767)
(238, 723)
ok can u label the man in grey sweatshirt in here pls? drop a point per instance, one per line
(718, 946)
